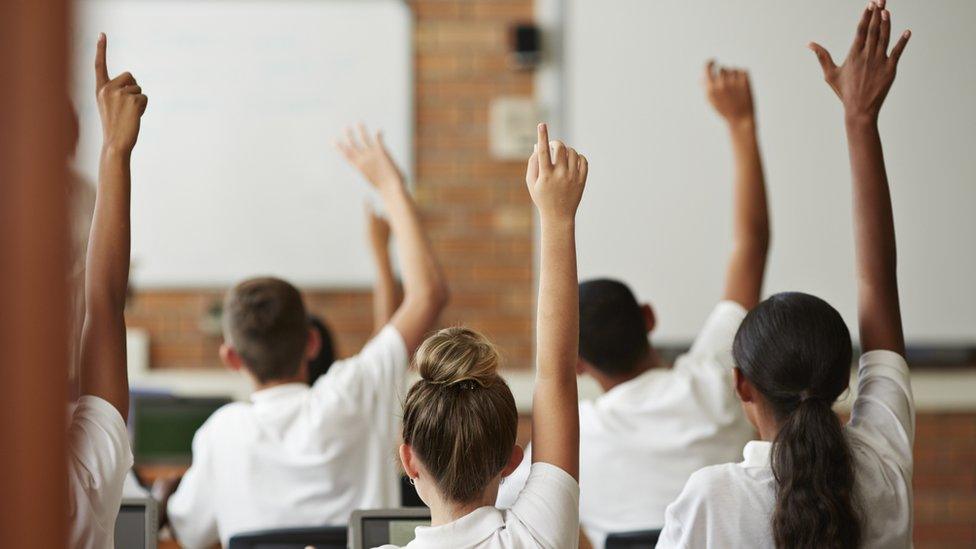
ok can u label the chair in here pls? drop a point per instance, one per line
(639, 539)
(320, 537)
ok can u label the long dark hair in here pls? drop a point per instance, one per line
(796, 350)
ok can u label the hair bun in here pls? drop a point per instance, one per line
(458, 357)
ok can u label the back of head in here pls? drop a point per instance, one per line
(613, 332)
(795, 349)
(265, 323)
(460, 418)
(320, 364)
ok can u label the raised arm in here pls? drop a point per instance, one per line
(556, 182)
(385, 298)
(730, 93)
(103, 357)
(862, 83)
(425, 292)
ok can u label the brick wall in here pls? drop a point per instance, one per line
(476, 209)
(480, 221)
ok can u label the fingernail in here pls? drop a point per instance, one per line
(908, 34)
(884, 15)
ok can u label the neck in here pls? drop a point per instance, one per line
(607, 382)
(445, 512)
(262, 385)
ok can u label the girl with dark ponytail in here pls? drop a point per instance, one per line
(812, 482)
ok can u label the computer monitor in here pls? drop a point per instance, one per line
(136, 526)
(377, 527)
(162, 426)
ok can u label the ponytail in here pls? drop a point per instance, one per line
(795, 349)
(814, 481)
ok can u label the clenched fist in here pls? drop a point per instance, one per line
(729, 92)
(555, 178)
(120, 104)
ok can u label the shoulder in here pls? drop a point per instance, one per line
(227, 417)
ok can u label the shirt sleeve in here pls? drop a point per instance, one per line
(191, 509)
(548, 507)
(509, 491)
(99, 458)
(714, 343)
(884, 410)
(373, 380)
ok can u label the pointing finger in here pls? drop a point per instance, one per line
(101, 70)
(542, 148)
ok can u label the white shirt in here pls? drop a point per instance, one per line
(640, 441)
(99, 457)
(545, 516)
(731, 505)
(298, 455)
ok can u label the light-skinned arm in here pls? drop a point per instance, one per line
(862, 83)
(425, 292)
(121, 104)
(385, 298)
(556, 180)
(730, 93)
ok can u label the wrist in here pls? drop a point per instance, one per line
(113, 151)
(557, 222)
(742, 124)
(860, 119)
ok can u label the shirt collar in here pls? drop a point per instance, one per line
(467, 531)
(278, 391)
(757, 453)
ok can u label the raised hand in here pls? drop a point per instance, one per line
(729, 92)
(368, 154)
(555, 177)
(121, 104)
(863, 81)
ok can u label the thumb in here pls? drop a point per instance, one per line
(101, 70)
(826, 62)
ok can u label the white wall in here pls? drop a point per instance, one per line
(657, 207)
(234, 173)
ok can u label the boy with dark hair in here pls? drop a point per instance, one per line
(656, 425)
(297, 455)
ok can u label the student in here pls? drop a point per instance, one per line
(459, 420)
(385, 298)
(297, 455)
(655, 425)
(99, 455)
(811, 482)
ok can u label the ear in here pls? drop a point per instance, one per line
(407, 460)
(743, 388)
(232, 361)
(314, 344)
(650, 321)
(518, 454)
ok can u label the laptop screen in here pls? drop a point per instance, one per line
(390, 530)
(130, 527)
(164, 427)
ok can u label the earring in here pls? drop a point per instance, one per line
(503, 481)
(413, 481)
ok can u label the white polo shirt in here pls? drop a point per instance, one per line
(731, 505)
(99, 457)
(545, 516)
(298, 455)
(640, 441)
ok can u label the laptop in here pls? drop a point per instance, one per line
(136, 526)
(162, 426)
(375, 527)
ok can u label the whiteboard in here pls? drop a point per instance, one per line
(234, 173)
(657, 210)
